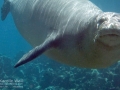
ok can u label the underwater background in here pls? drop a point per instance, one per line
(46, 74)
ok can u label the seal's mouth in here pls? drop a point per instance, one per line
(109, 38)
(110, 35)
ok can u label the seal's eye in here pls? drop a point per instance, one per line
(117, 17)
(118, 20)
(100, 21)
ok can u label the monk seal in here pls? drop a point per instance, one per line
(74, 32)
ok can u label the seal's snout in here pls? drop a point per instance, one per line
(108, 28)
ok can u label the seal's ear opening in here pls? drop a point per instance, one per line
(38, 50)
(5, 9)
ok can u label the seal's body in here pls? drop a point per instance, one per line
(75, 32)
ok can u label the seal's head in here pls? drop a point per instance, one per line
(108, 29)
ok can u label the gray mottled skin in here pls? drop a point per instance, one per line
(74, 32)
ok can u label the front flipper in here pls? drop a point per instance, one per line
(5, 9)
(38, 50)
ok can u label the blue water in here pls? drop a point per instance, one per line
(11, 42)
(44, 73)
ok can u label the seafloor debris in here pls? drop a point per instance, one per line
(44, 74)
